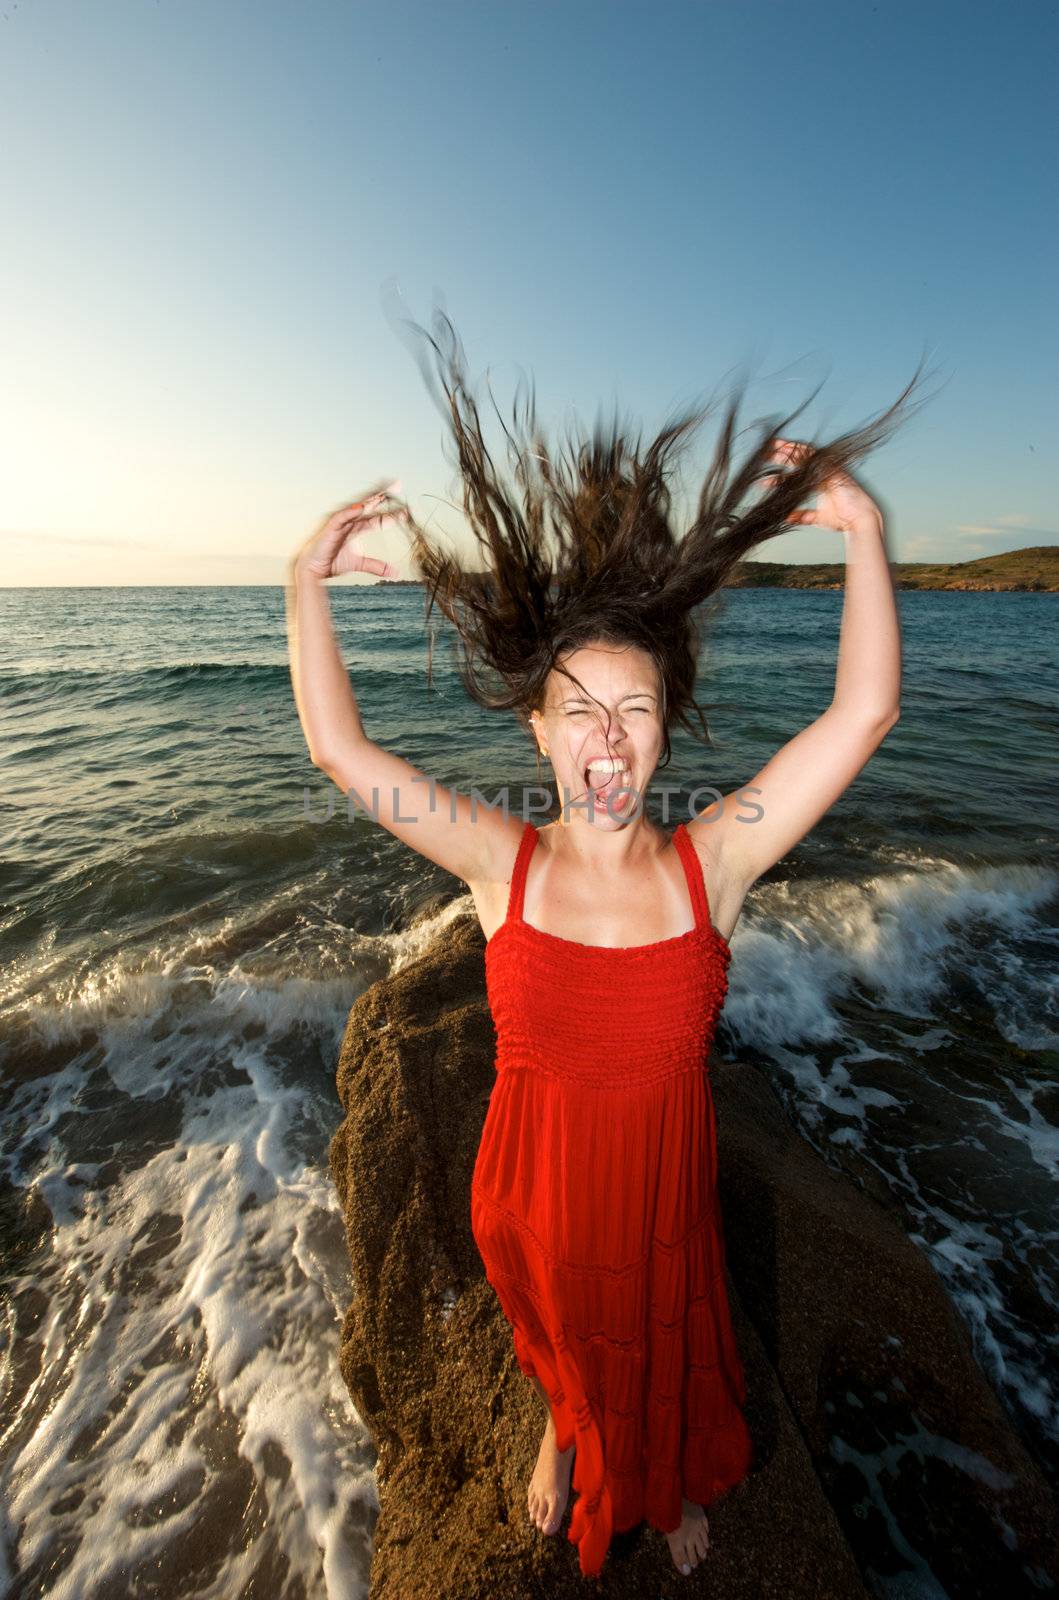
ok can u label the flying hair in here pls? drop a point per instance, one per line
(580, 548)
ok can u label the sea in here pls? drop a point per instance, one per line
(187, 916)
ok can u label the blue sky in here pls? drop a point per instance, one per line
(632, 204)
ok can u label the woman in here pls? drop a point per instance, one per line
(594, 1198)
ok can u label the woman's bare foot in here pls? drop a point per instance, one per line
(549, 1487)
(691, 1540)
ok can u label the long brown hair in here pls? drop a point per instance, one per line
(584, 552)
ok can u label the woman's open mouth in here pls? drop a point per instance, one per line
(608, 780)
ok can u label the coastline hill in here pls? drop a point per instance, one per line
(1034, 569)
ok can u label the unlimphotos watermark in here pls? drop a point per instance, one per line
(533, 800)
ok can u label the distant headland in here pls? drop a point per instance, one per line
(1020, 571)
(1035, 568)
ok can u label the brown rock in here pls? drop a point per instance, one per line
(850, 1344)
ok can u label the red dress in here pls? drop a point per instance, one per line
(594, 1208)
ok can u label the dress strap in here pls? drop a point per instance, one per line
(518, 877)
(693, 872)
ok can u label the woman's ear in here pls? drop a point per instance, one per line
(535, 722)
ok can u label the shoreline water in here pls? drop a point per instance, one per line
(180, 953)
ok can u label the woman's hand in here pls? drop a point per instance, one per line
(332, 549)
(841, 503)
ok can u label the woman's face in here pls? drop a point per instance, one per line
(614, 722)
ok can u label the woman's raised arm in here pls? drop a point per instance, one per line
(812, 770)
(435, 820)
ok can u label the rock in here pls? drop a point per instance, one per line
(852, 1351)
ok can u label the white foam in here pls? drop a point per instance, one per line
(201, 1293)
(225, 1344)
(802, 944)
